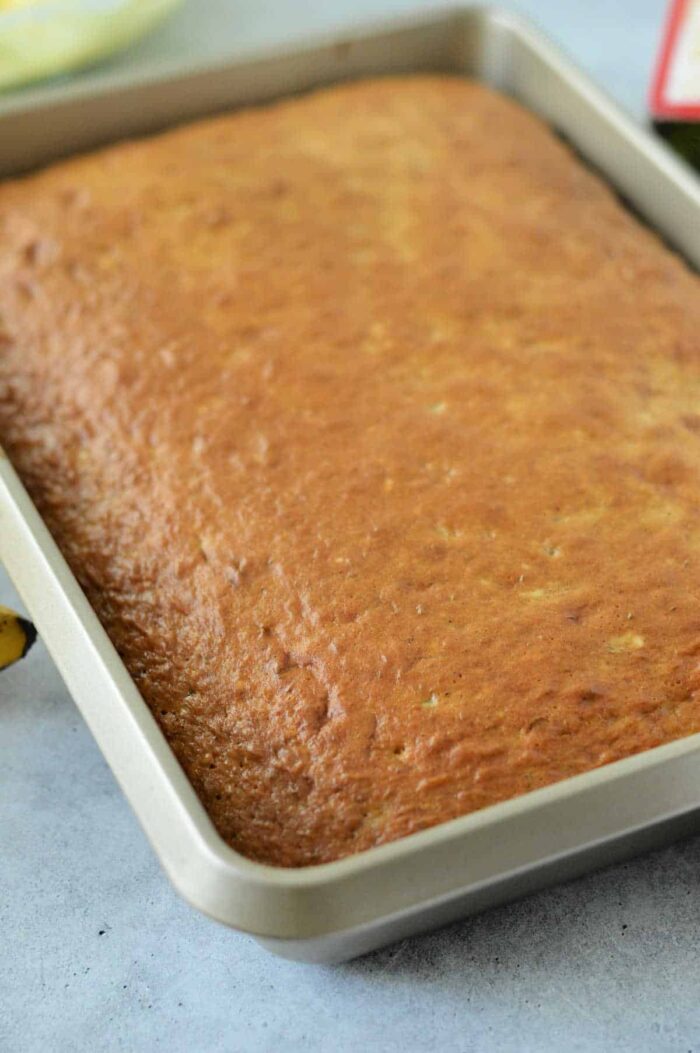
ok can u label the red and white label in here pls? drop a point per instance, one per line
(675, 92)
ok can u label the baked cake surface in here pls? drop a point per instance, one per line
(370, 424)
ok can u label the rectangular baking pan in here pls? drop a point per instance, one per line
(338, 910)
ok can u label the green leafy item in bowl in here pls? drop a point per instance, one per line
(42, 38)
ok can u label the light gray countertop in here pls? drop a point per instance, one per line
(99, 954)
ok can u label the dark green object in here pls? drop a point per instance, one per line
(683, 137)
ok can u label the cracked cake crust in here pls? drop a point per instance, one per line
(368, 422)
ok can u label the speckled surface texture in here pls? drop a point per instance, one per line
(99, 953)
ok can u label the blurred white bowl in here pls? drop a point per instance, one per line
(42, 38)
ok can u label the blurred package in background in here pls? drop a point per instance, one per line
(44, 38)
(675, 91)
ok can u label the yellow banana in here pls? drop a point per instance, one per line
(16, 636)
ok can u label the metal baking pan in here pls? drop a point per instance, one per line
(338, 910)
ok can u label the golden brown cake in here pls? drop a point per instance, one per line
(370, 424)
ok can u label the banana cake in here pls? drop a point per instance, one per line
(369, 422)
